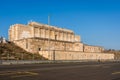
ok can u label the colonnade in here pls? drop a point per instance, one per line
(53, 34)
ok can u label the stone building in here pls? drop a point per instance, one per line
(53, 42)
(3, 40)
(89, 48)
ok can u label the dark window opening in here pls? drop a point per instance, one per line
(39, 49)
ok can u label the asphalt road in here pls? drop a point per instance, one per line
(62, 71)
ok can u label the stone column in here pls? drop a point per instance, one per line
(72, 37)
(60, 35)
(37, 32)
(32, 32)
(52, 34)
(46, 33)
(10, 34)
(43, 33)
(68, 36)
(13, 33)
(40, 32)
(65, 36)
(16, 32)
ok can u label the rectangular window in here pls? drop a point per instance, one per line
(39, 49)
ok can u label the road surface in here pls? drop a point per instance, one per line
(62, 71)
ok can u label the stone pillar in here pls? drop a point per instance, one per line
(47, 33)
(72, 37)
(60, 37)
(32, 32)
(16, 32)
(43, 33)
(36, 31)
(68, 36)
(55, 35)
(65, 36)
(13, 35)
(40, 32)
(10, 37)
(52, 34)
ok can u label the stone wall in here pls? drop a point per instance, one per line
(35, 45)
(77, 38)
(88, 48)
(70, 55)
(19, 31)
(33, 29)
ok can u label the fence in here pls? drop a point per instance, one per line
(9, 62)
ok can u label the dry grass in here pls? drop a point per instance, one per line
(12, 51)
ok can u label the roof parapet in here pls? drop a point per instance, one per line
(36, 24)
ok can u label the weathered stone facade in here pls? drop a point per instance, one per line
(33, 29)
(75, 55)
(88, 48)
(41, 38)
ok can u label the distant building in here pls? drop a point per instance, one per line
(54, 43)
(3, 40)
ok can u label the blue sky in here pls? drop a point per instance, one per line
(96, 21)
